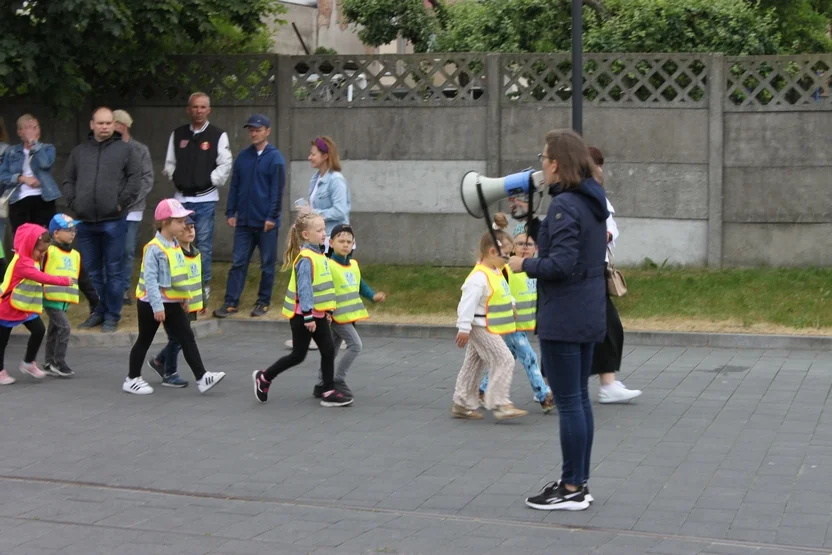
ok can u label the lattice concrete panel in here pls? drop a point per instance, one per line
(644, 80)
(773, 83)
(422, 80)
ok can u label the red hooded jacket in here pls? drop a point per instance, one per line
(24, 244)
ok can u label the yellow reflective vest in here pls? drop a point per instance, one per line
(348, 304)
(27, 296)
(499, 310)
(323, 289)
(194, 282)
(524, 290)
(178, 290)
(63, 264)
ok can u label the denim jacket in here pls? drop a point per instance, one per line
(43, 157)
(331, 199)
(157, 272)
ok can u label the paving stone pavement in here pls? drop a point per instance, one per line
(727, 452)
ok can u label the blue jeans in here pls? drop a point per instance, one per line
(130, 239)
(521, 349)
(204, 214)
(169, 355)
(245, 240)
(101, 245)
(568, 366)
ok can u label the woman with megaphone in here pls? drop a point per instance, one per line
(571, 315)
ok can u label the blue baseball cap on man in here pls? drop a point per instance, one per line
(62, 221)
(258, 121)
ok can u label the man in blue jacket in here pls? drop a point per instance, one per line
(254, 204)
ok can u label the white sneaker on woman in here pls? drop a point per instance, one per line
(616, 392)
(136, 386)
(209, 380)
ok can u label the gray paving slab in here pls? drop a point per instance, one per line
(727, 451)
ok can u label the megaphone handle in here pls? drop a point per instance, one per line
(487, 217)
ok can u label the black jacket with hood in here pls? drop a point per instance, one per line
(571, 285)
(102, 179)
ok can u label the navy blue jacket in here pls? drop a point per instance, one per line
(571, 286)
(257, 183)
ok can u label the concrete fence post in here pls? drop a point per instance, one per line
(282, 134)
(716, 155)
(494, 117)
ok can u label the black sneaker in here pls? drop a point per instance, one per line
(343, 388)
(318, 391)
(93, 321)
(109, 326)
(587, 495)
(158, 367)
(225, 311)
(335, 398)
(259, 309)
(66, 369)
(555, 497)
(261, 385)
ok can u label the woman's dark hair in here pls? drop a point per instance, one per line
(596, 155)
(568, 149)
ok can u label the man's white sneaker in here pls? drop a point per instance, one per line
(136, 386)
(616, 393)
(209, 380)
(32, 369)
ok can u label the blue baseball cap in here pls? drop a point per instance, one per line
(62, 221)
(189, 220)
(258, 121)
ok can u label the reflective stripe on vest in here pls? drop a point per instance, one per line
(524, 290)
(348, 304)
(323, 289)
(62, 264)
(499, 311)
(27, 296)
(178, 290)
(194, 282)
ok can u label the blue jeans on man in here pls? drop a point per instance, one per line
(101, 245)
(204, 214)
(130, 240)
(246, 239)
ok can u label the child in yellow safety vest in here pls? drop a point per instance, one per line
(21, 296)
(60, 259)
(163, 295)
(350, 287)
(485, 313)
(524, 291)
(309, 304)
(165, 363)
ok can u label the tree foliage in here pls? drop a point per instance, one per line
(60, 51)
(733, 27)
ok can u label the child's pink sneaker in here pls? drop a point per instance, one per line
(32, 369)
(5, 379)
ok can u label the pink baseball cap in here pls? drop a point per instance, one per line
(171, 208)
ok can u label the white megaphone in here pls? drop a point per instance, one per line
(477, 190)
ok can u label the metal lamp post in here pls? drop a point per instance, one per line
(577, 68)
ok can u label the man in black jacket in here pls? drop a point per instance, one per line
(102, 178)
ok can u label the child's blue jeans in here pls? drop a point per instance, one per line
(521, 349)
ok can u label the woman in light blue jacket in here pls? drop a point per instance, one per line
(329, 194)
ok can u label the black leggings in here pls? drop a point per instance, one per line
(300, 346)
(179, 329)
(36, 328)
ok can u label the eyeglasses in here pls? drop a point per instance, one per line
(541, 157)
(530, 245)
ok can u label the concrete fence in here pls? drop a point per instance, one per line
(711, 160)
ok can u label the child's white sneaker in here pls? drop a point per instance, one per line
(5, 379)
(209, 380)
(136, 386)
(32, 369)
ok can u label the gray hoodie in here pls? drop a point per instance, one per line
(102, 179)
